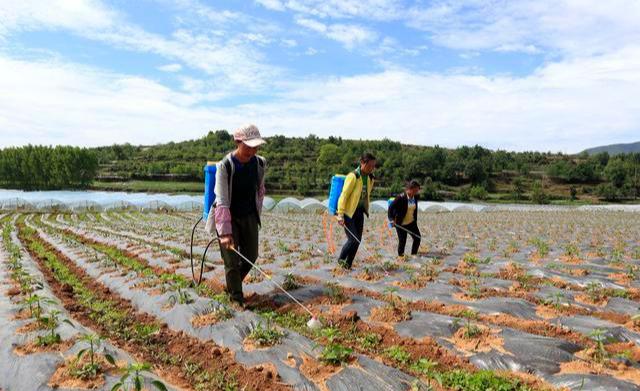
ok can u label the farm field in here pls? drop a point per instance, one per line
(502, 300)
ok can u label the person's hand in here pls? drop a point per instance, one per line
(226, 242)
(340, 220)
(390, 224)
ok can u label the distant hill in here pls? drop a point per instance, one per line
(615, 149)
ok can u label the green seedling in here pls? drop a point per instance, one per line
(221, 312)
(389, 266)
(91, 369)
(180, 296)
(470, 259)
(555, 300)
(525, 281)
(542, 247)
(599, 336)
(267, 334)
(617, 256)
(290, 282)
(35, 304)
(424, 366)
(50, 322)
(282, 246)
(398, 354)
(390, 293)
(332, 334)
(335, 293)
(571, 250)
(370, 341)
(595, 291)
(335, 354)
(470, 330)
(133, 379)
(474, 291)
(145, 332)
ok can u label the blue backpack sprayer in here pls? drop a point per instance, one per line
(209, 198)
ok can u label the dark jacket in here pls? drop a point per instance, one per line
(398, 208)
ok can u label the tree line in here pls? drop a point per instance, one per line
(47, 168)
(303, 166)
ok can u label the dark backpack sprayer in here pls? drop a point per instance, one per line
(209, 198)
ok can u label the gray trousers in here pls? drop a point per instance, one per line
(245, 238)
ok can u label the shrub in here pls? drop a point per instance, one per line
(479, 193)
(463, 195)
(538, 195)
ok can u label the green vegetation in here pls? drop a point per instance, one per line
(47, 168)
(304, 166)
(117, 323)
(267, 334)
(478, 381)
(133, 379)
(335, 292)
(290, 282)
(335, 354)
(398, 354)
(600, 337)
(51, 321)
(91, 369)
(148, 186)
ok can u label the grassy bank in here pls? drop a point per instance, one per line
(194, 188)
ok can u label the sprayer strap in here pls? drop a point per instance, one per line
(227, 167)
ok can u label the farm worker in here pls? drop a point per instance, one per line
(353, 204)
(403, 214)
(239, 191)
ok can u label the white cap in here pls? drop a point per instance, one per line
(249, 135)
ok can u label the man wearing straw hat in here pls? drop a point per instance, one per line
(239, 191)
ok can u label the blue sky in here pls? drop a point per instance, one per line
(557, 75)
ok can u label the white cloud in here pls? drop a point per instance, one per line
(368, 9)
(170, 68)
(275, 5)
(231, 62)
(290, 43)
(75, 15)
(312, 24)
(349, 35)
(84, 106)
(571, 27)
(563, 106)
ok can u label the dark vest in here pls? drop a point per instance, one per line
(245, 186)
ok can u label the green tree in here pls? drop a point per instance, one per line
(518, 188)
(615, 172)
(538, 195)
